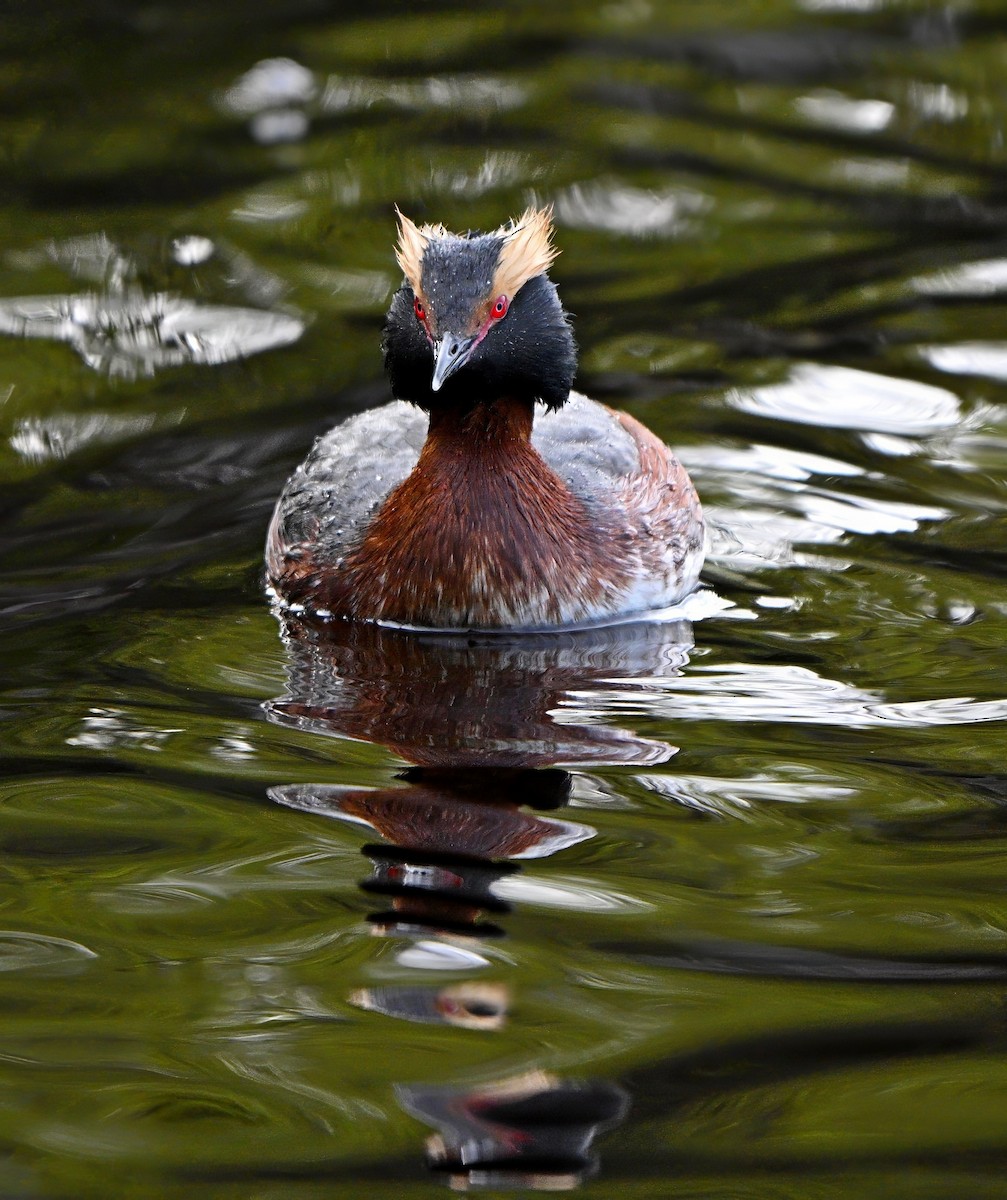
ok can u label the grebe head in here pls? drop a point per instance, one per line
(477, 318)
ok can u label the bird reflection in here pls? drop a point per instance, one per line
(448, 836)
(488, 723)
(484, 719)
(531, 1132)
(471, 1005)
(476, 700)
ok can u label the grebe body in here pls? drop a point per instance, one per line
(456, 506)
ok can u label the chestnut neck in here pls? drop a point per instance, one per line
(497, 427)
(471, 536)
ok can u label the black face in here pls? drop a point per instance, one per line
(529, 353)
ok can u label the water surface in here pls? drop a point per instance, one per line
(713, 907)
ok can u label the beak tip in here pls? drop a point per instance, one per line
(450, 353)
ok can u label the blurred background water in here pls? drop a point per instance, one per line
(708, 909)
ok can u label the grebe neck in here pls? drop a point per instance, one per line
(501, 426)
(475, 535)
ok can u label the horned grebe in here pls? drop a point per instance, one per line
(449, 508)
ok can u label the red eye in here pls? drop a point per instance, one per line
(499, 309)
(419, 310)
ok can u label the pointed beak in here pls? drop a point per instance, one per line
(451, 352)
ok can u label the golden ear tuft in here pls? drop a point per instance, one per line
(413, 242)
(410, 250)
(527, 250)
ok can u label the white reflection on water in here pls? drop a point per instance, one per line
(776, 505)
(975, 449)
(969, 358)
(793, 784)
(843, 112)
(440, 956)
(937, 101)
(272, 95)
(761, 538)
(615, 207)
(44, 439)
(99, 260)
(279, 125)
(774, 462)
(36, 952)
(267, 207)
(191, 250)
(871, 172)
(828, 6)
(137, 334)
(278, 97)
(498, 169)
(466, 93)
(975, 444)
(844, 398)
(752, 532)
(580, 895)
(91, 256)
(115, 728)
(785, 603)
(355, 288)
(766, 692)
(269, 873)
(891, 445)
(985, 278)
(271, 83)
(861, 514)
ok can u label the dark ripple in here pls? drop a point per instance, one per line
(724, 957)
(812, 54)
(79, 844)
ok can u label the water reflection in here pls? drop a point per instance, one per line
(476, 700)
(138, 334)
(469, 1005)
(279, 97)
(488, 722)
(844, 398)
(534, 1131)
(834, 110)
(969, 358)
(272, 96)
(444, 835)
(635, 212)
(127, 329)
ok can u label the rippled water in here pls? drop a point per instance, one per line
(706, 907)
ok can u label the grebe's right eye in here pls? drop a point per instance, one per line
(419, 310)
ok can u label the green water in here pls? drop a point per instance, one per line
(769, 964)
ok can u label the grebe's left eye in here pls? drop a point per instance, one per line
(499, 309)
(419, 310)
